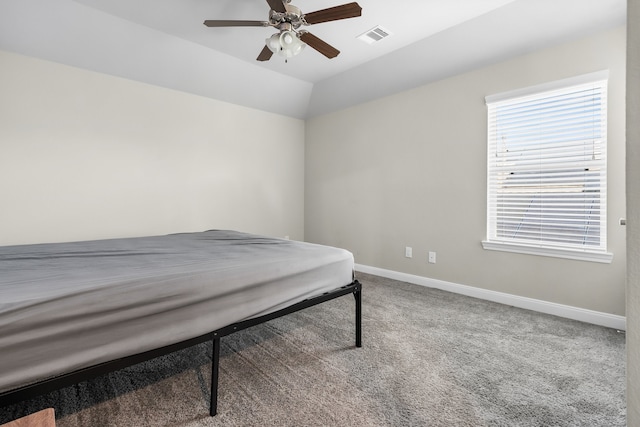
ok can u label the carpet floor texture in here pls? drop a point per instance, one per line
(429, 358)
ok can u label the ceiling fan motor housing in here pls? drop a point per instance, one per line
(291, 18)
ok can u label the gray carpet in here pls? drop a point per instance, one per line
(429, 358)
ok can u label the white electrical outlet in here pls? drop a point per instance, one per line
(408, 252)
(432, 257)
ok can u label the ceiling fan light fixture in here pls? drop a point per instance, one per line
(273, 43)
(290, 43)
(285, 43)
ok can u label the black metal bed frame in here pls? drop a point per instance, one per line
(32, 390)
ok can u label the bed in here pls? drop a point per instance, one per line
(71, 311)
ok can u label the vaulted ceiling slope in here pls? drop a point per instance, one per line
(153, 42)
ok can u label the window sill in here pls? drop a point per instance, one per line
(602, 257)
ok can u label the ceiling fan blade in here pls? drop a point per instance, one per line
(320, 45)
(277, 5)
(349, 10)
(225, 23)
(265, 55)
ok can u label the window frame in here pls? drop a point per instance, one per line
(585, 253)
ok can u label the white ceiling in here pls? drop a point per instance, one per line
(408, 20)
(163, 42)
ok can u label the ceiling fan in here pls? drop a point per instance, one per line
(290, 40)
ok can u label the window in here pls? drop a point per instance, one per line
(547, 170)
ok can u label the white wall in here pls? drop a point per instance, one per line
(410, 170)
(633, 213)
(84, 155)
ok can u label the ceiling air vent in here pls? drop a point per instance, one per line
(374, 35)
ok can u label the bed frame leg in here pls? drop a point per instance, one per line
(215, 362)
(358, 296)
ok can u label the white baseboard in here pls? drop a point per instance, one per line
(567, 311)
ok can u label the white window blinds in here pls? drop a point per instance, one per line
(547, 164)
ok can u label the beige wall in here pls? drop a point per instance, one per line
(633, 213)
(410, 170)
(85, 155)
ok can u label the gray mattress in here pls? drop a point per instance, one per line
(65, 306)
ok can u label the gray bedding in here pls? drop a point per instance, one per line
(65, 306)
